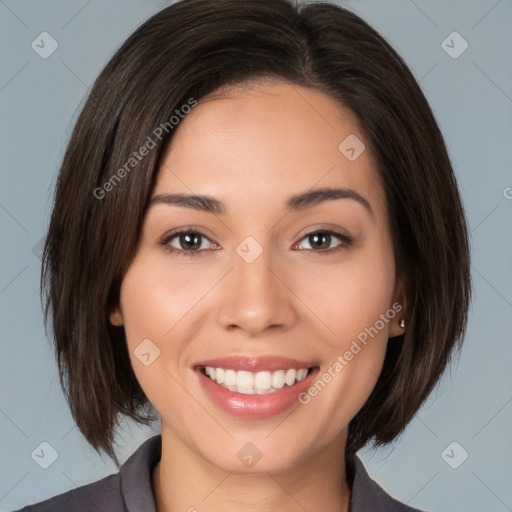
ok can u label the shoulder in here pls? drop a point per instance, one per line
(103, 495)
(129, 489)
(368, 495)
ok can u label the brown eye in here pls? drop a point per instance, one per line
(186, 242)
(320, 241)
(189, 241)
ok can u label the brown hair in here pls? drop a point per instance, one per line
(189, 50)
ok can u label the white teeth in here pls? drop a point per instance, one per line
(290, 377)
(230, 378)
(220, 375)
(246, 391)
(263, 380)
(300, 373)
(250, 383)
(244, 380)
(278, 379)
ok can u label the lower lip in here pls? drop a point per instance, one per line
(255, 406)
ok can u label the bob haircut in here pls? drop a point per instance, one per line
(187, 51)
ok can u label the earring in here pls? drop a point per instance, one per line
(401, 323)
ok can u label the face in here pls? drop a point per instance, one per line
(286, 304)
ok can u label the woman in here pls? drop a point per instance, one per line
(257, 231)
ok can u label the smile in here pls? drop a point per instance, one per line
(250, 383)
(254, 387)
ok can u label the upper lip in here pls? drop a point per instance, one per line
(254, 363)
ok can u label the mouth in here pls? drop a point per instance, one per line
(251, 383)
(255, 388)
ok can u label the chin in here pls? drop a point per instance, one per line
(249, 461)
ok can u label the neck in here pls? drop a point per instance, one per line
(184, 481)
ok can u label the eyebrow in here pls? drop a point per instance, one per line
(297, 202)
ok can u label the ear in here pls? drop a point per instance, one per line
(116, 317)
(399, 305)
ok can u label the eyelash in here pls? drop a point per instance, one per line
(346, 241)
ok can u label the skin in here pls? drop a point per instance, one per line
(252, 147)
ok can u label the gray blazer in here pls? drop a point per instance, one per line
(130, 489)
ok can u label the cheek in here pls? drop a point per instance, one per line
(351, 366)
(161, 302)
(154, 303)
(354, 300)
(155, 297)
(350, 297)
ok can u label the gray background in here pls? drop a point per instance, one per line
(472, 99)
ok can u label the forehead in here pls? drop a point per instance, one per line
(265, 142)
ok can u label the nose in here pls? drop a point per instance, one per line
(256, 298)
